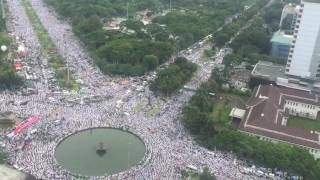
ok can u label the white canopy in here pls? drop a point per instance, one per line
(4, 48)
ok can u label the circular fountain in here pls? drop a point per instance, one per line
(100, 151)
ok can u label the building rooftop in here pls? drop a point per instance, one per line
(266, 115)
(268, 70)
(238, 113)
(312, 1)
(280, 37)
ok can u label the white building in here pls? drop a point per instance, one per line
(303, 109)
(304, 56)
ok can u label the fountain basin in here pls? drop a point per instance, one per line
(118, 151)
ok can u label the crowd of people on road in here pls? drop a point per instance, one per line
(170, 148)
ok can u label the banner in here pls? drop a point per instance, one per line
(24, 125)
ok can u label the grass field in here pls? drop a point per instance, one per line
(305, 123)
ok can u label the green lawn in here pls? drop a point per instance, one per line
(221, 111)
(305, 123)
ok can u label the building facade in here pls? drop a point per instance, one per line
(304, 56)
(307, 110)
(281, 44)
(288, 18)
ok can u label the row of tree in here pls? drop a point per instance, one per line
(8, 76)
(223, 36)
(253, 44)
(118, 52)
(173, 78)
(215, 132)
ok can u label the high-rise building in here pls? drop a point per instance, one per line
(304, 56)
(288, 18)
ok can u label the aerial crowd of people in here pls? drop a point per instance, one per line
(125, 103)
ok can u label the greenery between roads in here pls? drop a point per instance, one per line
(300, 122)
(223, 36)
(49, 50)
(120, 52)
(8, 76)
(215, 131)
(174, 77)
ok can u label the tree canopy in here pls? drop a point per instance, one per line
(8, 76)
(120, 52)
(174, 77)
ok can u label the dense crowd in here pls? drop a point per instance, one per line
(170, 148)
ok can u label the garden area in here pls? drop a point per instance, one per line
(305, 123)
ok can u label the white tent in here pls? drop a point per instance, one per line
(4, 48)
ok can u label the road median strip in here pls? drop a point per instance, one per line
(49, 50)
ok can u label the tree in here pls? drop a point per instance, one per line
(4, 39)
(232, 59)
(220, 39)
(150, 62)
(3, 156)
(206, 175)
(93, 23)
(8, 76)
(174, 77)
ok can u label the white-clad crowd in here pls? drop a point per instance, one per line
(170, 148)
